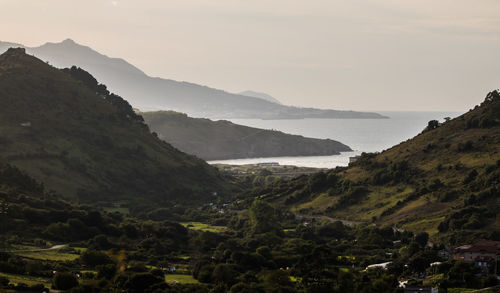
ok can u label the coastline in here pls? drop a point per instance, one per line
(322, 162)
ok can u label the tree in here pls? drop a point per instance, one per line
(332, 230)
(316, 182)
(422, 238)
(263, 217)
(265, 173)
(463, 274)
(421, 260)
(106, 271)
(433, 124)
(64, 281)
(94, 258)
(205, 273)
(386, 283)
(100, 242)
(265, 252)
(225, 273)
(220, 288)
(493, 95)
(139, 282)
(246, 288)
(278, 278)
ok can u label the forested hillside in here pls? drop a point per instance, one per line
(68, 131)
(46, 242)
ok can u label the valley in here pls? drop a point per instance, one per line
(92, 200)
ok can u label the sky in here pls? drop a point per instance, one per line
(441, 55)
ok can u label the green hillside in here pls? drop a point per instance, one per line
(219, 140)
(444, 181)
(253, 246)
(67, 131)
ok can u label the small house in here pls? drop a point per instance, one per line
(482, 253)
(481, 250)
(353, 159)
(171, 269)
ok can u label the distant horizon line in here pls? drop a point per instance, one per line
(71, 40)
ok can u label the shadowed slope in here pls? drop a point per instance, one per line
(66, 130)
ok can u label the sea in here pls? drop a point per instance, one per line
(361, 135)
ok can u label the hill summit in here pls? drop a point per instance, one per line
(68, 131)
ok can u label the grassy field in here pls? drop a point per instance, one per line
(427, 225)
(28, 280)
(51, 255)
(80, 249)
(204, 227)
(183, 279)
(295, 279)
(319, 204)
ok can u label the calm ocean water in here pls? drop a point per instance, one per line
(362, 135)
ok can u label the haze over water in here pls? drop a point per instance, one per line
(362, 135)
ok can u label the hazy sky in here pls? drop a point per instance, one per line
(352, 54)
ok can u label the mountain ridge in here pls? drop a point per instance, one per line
(260, 95)
(154, 93)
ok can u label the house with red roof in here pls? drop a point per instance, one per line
(482, 253)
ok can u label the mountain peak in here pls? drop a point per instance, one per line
(65, 44)
(69, 41)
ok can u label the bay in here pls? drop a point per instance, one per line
(362, 135)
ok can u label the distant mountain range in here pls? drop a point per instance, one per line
(220, 140)
(152, 93)
(68, 131)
